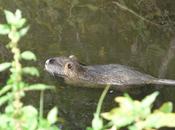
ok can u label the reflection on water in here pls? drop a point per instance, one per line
(97, 32)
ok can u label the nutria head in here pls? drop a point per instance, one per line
(65, 67)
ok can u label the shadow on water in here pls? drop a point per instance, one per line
(97, 32)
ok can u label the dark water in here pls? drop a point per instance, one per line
(97, 32)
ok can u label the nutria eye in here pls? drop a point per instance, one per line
(69, 66)
(51, 61)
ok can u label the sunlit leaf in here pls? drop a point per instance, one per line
(31, 109)
(23, 31)
(4, 29)
(31, 70)
(4, 66)
(15, 19)
(148, 100)
(4, 89)
(28, 55)
(5, 98)
(18, 14)
(52, 115)
(29, 117)
(166, 107)
(9, 109)
(5, 119)
(39, 87)
(20, 23)
(125, 102)
(119, 117)
(160, 119)
(10, 17)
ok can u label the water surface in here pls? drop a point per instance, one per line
(97, 32)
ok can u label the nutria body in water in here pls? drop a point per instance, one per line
(76, 73)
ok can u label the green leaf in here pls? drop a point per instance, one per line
(15, 19)
(5, 89)
(29, 118)
(4, 66)
(20, 23)
(5, 98)
(23, 31)
(18, 14)
(30, 111)
(31, 70)
(125, 102)
(4, 29)
(52, 115)
(19, 20)
(28, 55)
(119, 116)
(97, 122)
(160, 119)
(10, 17)
(9, 109)
(38, 87)
(148, 100)
(166, 107)
(6, 122)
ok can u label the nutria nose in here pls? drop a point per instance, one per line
(50, 61)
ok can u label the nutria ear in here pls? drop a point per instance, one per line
(73, 57)
(69, 65)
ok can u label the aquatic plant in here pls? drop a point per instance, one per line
(15, 115)
(134, 114)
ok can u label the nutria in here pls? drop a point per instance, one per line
(73, 72)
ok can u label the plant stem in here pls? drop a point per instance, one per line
(100, 102)
(41, 104)
(17, 66)
(16, 80)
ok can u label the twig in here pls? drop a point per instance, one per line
(134, 13)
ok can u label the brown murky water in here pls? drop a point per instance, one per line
(97, 32)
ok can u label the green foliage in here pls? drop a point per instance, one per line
(16, 19)
(136, 115)
(31, 70)
(16, 116)
(29, 117)
(51, 117)
(97, 122)
(28, 55)
(4, 29)
(4, 66)
(166, 107)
